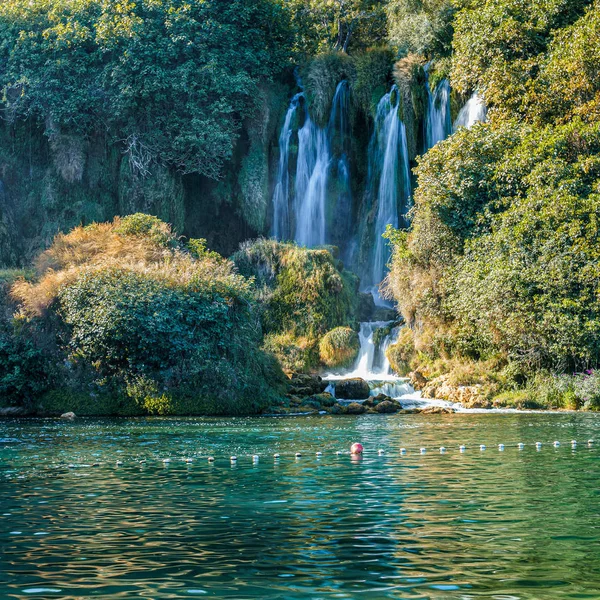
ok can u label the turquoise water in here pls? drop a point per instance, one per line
(503, 525)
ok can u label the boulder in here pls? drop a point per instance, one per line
(354, 408)
(386, 407)
(352, 389)
(417, 380)
(325, 399)
(68, 415)
(381, 398)
(437, 410)
(302, 384)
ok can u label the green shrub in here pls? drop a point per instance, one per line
(339, 347)
(402, 352)
(24, 370)
(587, 389)
(161, 323)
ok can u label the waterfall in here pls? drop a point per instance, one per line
(372, 364)
(438, 124)
(315, 149)
(339, 136)
(281, 229)
(474, 110)
(311, 184)
(388, 160)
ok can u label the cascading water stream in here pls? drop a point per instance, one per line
(388, 161)
(311, 184)
(281, 229)
(372, 364)
(312, 172)
(438, 123)
(472, 112)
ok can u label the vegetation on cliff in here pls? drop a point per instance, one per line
(131, 315)
(500, 264)
(303, 294)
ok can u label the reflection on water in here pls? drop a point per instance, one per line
(505, 525)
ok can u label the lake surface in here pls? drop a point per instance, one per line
(480, 524)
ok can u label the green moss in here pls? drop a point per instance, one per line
(402, 352)
(339, 347)
(320, 78)
(372, 75)
(303, 291)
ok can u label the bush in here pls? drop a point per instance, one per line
(169, 326)
(339, 347)
(587, 389)
(24, 370)
(402, 352)
(302, 291)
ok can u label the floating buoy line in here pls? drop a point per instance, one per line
(357, 450)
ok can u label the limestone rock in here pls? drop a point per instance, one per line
(417, 380)
(352, 389)
(354, 408)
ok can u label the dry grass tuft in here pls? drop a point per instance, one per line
(101, 246)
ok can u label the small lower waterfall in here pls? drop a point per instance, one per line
(472, 112)
(372, 364)
(281, 228)
(388, 157)
(438, 123)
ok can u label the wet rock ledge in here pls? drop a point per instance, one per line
(307, 395)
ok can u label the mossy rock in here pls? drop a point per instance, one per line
(354, 408)
(324, 400)
(401, 353)
(339, 347)
(354, 388)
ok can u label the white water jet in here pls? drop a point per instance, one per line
(388, 161)
(438, 123)
(281, 228)
(312, 171)
(472, 112)
(311, 184)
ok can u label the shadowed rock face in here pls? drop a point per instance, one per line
(352, 389)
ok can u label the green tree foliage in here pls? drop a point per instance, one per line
(172, 327)
(172, 78)
(420, 26)
(501, 261)
(337, 25)
(499, 46)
